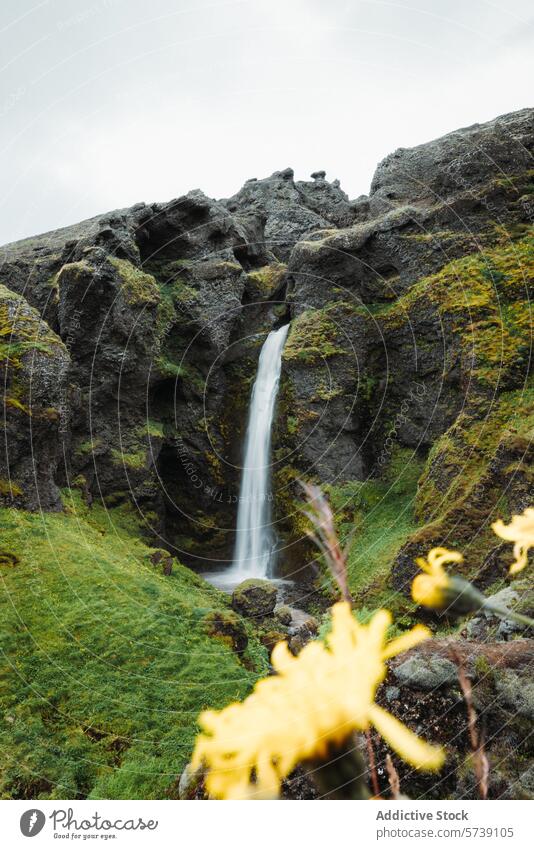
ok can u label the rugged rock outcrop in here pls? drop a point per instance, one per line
(411, 332)
(35, 405)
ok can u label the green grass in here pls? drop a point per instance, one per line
(106, 662)
(376, 517)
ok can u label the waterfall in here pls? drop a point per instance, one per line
(255, 539)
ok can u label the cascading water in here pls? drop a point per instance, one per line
(254, 535)
(255, 539)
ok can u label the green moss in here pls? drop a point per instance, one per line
(263, 283)
(15, 404)
(485, 298)
(191, 376)
(77, 272)
(292, 425)
(134, 460)
(9, 489)
(470, 472)
(152, 429)
(22, 336)
(139, 288)
(313, 335)
(436, 235)
(88, 447)
(21, 330)
(460, 458)
(106, 663)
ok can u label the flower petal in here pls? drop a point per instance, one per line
(520, 554)
(438, 556)
(281, 657)
(406, 641)
(407, 744)
(503, 531)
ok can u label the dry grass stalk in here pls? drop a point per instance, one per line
(393, 778)
(372, 765)
(480, 760)
(325, 537)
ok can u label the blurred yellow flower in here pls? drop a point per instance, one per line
(314, 702)
(431, 588)
(521, 532)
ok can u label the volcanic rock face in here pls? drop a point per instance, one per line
(409, 332)
(33, 370)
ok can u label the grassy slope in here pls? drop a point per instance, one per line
(375, 518)
(105, 662)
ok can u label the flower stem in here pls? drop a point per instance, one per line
(504, 613)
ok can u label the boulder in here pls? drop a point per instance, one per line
(284, 614)
(255, 598)
(426, 673)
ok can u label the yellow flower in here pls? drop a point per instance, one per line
(521, 532)
(315, 701)
(431, 588)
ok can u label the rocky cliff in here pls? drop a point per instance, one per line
(130, 342)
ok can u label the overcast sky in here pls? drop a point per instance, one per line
(107, 103)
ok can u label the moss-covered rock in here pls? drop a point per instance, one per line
(34, 365)
(225, 625)
(255, 598)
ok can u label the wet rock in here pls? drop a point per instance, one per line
(284, 614)
(516, 691)
(302, 629)
(486, 622)
(299, 785)
(426, 673)
(500, 676)
(286, 211)
(392, 693)
(255, 598)
(525, 783)
(453, 163)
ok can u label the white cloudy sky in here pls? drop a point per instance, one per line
(108, 102)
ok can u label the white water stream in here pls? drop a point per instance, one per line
(255, 538)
